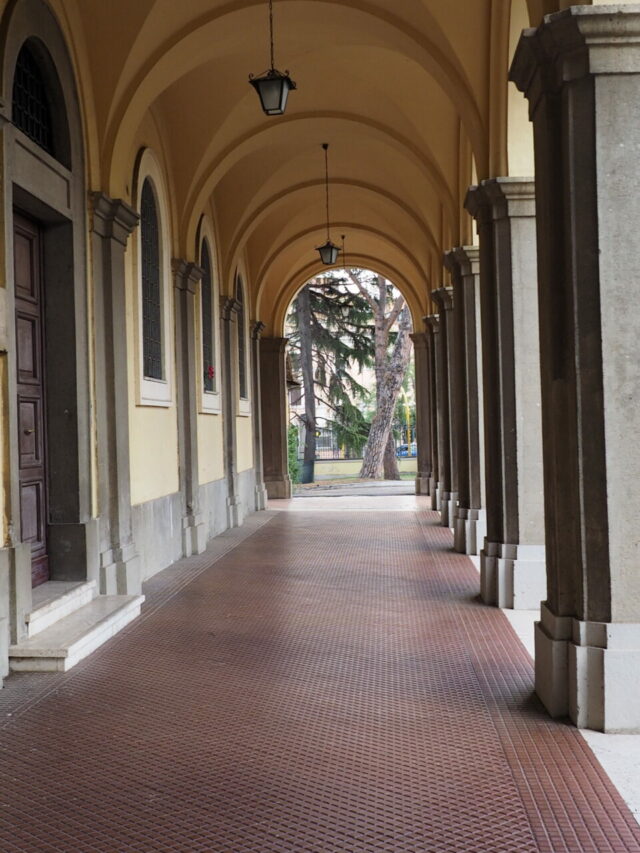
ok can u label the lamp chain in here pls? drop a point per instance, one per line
(271, 33)
(326, 183)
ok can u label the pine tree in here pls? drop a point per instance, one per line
(331, 333)
(344, 319)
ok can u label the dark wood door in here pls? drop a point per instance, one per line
(32, 448)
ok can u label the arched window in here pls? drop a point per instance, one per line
(31, 111)
(208, 335)
(151, 284)
(242, 341)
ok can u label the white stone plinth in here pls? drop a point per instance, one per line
(590, 671)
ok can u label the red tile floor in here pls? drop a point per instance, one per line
(330, 683)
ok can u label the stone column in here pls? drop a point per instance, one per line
(581, 73)
(470, 521)
(186, 278)
(423, 437)
(260, 490)
(228, 312)
(432, 325)
(447, 420)
(112, 223)
(273, 405)
(512, 561)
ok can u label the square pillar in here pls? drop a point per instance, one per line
(580, 71)
(422, 355)
(228, 312)
(513, 558)
(119, 564)
(470, 520)
(273, 405)
(187, 277)
(447, 425)
(260, 488)
(438, 404)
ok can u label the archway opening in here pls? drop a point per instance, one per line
(351, 385)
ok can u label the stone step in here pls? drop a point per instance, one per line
(54, 600)
(72, 638)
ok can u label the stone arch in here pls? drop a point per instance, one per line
(50, 193)
(301, 276)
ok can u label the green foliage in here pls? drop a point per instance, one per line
(292, 443)
(351, 429)
(342, 335)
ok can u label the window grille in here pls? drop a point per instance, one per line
(151, 293)
(208, 340)
(31, 112)
(242, 342)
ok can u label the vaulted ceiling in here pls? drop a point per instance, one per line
(411, 95)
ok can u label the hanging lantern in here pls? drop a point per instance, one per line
(273, 86)
(329, 251)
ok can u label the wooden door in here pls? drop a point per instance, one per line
(32, 450)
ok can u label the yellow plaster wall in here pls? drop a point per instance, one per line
(210, 448)
(153, 436)
(244, 438)
(153, 430)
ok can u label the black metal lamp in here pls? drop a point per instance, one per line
(273, 86)
(329, 251)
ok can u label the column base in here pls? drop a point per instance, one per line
(460, 528)
(513, 576)
(119, 572)
(235, 514)
(590, 671)
(194, 535)
(488, 570)
(434, 494)
(452, 510)
(15, 593)
(423, 485)
(552, 636)
(470, 530)
(279, 489)
(5, 612)
(261, 497)
(445, 508)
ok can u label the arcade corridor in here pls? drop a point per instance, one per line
(315, 681)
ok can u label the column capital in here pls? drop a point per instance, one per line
(443, 297)
(112, 218)
(450, 261)
(432, 323)
(468, 257)
(274, 345)
(478, 205)
(228, 307)
(186, 275)
(463, 261)
(575, 43)
(419, 340)
(257, 328)
(510, 197)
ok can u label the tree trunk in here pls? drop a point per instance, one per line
(306, 364)
(388, 391)
(390, 461)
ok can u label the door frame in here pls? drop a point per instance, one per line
(44, 189)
